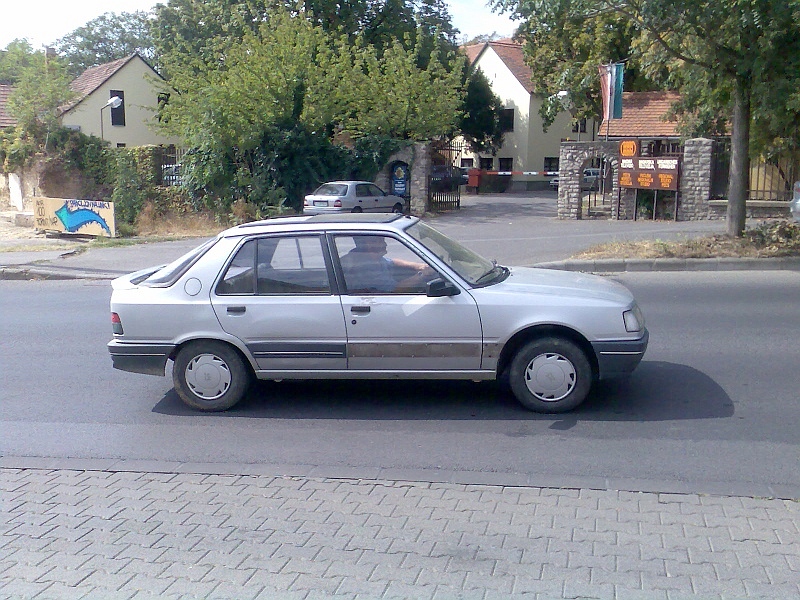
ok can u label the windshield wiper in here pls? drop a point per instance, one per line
(491, 273)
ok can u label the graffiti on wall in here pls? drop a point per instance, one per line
(87, 217)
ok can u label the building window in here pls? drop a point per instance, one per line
(551, 163)
(467, 163)
(507, 120)
(487, 164)
(118, 114)
(506, 164)
(579, 126)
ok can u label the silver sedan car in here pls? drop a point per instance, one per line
(368, 296)
(351, 196)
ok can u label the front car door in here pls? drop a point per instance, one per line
(392, 325)
(276, 296)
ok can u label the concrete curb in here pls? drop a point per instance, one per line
(463, 477)
(617, 265)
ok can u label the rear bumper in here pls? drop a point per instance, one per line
(149, 359)
(615, 359)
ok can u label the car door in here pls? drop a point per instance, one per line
(276, 296)
(392, 325)
(370, 197)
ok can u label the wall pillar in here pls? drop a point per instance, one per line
(695, 184)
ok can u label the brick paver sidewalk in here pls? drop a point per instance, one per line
(100, 534)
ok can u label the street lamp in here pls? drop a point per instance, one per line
(113, 102)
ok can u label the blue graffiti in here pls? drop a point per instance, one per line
(75, 219)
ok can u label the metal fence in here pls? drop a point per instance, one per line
(445, 178)
(171, 160)
(769, 179)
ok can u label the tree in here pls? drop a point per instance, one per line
(16, 57)
(41, 86)
(480, 123)
(295, 79)
(104, 39)
(720, 56)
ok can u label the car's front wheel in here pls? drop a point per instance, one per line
(550, 375)
(210, 375)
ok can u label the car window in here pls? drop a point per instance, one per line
(239, 276)
(278, 265)
(331, 189)
(376, 264)
(169, 274)
(470, 266)
(362, 190)
(374, 190)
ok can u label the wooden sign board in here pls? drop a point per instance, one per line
(660, 173)
(86, 217)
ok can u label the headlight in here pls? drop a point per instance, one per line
(634, 319)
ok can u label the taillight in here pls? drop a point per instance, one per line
(338, 204)
(116, 324)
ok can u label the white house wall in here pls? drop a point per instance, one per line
(527, 145)
(135, 79)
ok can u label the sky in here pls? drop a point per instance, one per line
(44, 21)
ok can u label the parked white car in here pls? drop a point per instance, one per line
(351, 196)
(590, 181)
(368, 296)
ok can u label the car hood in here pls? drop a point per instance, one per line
(526, 280)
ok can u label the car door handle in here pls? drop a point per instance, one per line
(359, 310)
(237, 310)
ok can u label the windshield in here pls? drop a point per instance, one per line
(472, 267)
(331, 189)
(169, 274)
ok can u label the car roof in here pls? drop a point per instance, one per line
(385, 221)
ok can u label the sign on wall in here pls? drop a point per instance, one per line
(87, 217)
(651, 173)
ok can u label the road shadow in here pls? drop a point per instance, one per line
(657, 391)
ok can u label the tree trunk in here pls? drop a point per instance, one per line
(739, 176)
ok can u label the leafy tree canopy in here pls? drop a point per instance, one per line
(294, 76)
(480, 122)
(108, 37)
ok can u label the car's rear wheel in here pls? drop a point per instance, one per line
(210, 375)
(550, 375)
(356, 209)
(397, 208)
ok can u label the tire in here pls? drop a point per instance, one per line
(398, 208)
(356, 209)
(550, 375)
(210, 376)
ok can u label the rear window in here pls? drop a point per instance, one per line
(331, 189)
(169, 274)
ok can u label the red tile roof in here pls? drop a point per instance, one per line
(93, 77)
(6, 120)
(643, 116)
(512, 55)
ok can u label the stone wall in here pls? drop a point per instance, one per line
(418, 158)
(572, 158)
(695, 184)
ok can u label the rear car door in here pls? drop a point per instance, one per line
(276, 296)
(392, 325)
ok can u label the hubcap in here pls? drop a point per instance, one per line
(550, 377)
(208, 376)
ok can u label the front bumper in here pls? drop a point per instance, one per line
(615, 359)
(149, 359)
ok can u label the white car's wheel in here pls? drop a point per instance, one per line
(210, 376)
(397, 208)
(550, 375)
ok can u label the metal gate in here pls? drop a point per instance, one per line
(445, 178)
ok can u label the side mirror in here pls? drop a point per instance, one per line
(439, 288)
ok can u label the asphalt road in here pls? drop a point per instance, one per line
(713, 407)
